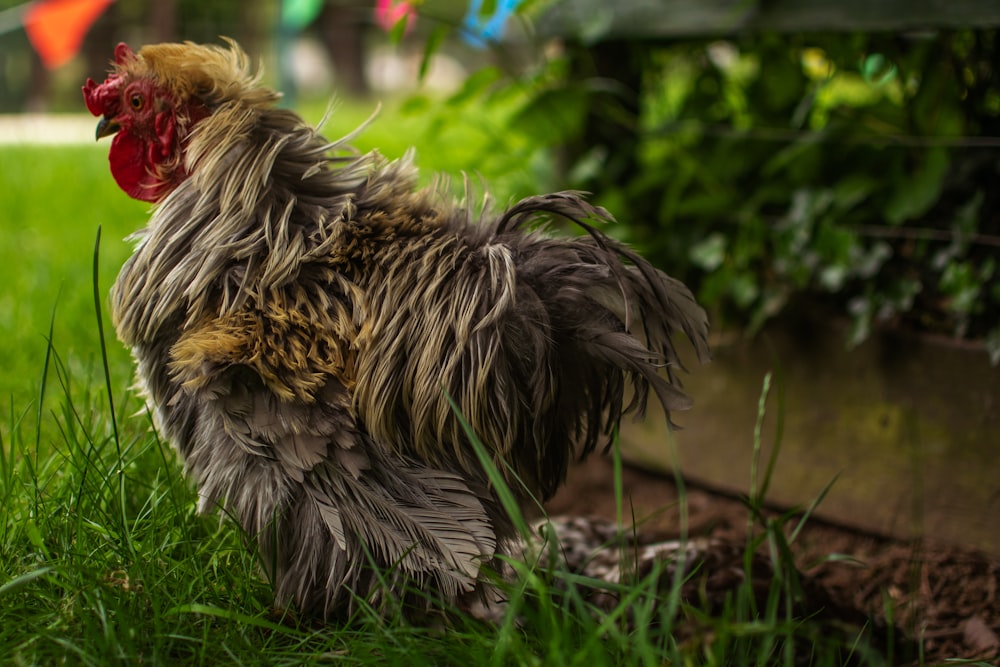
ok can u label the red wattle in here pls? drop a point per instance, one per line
(130, 171)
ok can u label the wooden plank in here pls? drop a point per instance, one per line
(598, 20)
(909, 427)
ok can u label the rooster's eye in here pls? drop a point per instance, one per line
(137, 102)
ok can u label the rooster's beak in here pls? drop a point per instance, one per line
(106, 127)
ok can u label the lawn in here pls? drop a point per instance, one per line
(102, 555)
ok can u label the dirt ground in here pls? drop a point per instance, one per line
(943, 598)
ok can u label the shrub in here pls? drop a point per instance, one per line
(855, 170)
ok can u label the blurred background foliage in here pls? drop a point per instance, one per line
(771, 171)
(855, 170)
(854, 174)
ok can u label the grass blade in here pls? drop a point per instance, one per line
(493, 473)
(98, 311)
(235, 616)
(19, 582)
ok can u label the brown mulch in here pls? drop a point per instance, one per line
(942, 598)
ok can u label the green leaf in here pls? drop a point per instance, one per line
(589, 167)
(853, 189)
(35, 537)
(434, 42)
(596, 24)
(877, 70)
(795, 153)
(861, 309)
(833, 277)
(416, 104)
(399, 30)
(868, 263)
(552, 116)
(743, 289)
(709, 254)
(992, 343)
(475, 85)
(915, 196)
(960, 282)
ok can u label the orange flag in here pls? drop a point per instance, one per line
(56, 27)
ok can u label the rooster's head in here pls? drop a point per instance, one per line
(154, 100)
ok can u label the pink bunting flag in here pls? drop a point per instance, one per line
(390, 12)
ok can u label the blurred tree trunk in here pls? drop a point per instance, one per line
(342, 27)
(99, 43)
(611, 125)
(163, 21)
(38, 86)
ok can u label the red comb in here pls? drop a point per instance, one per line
(123, 53)
(102, 99)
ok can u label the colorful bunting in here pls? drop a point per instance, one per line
(297, 14)
(56, 27)
(478, 31)
(388, 13)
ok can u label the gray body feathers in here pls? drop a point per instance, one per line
(297, 321)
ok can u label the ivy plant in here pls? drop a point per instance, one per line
(857, 170)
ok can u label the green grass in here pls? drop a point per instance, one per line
(102, 558)
(54, 199)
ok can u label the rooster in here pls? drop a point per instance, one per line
(318, 336)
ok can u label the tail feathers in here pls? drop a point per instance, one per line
(623, 351)
(656, 289)
(620, 314)
(569, 204)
